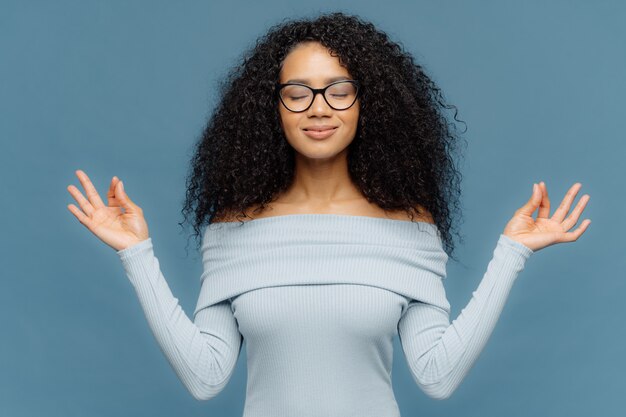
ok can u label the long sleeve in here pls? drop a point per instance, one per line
(440, 354)
(203, 353)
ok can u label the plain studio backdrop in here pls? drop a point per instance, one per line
(124, 88)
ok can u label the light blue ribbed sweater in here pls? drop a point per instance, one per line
(318, 299)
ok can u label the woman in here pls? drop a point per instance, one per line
(333, 144)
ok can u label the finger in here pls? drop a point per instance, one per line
(532, 204)
(112, 200)
(111, 193)
(85, 220)
(544, 207)
(572, 219)
(563, 209)
(573, 236)
(90, 190)
(84, 204)
(125, 201)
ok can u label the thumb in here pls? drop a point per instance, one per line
(124, 199)
(532, 204)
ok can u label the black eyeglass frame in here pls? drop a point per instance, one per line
(321, 91)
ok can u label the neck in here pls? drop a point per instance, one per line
(321, 182)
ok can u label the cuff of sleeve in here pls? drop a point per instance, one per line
(137, 261)
(518, 247)
(135, 249)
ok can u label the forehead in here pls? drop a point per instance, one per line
(312, 63)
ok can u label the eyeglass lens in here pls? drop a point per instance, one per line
(340, 96)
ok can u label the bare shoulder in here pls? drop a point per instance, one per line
(235, 216)
(223, 218)
(359, 209)
(423, 215)
(226, 217)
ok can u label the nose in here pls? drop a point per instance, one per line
(319, 106)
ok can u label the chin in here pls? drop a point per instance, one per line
(321, 150)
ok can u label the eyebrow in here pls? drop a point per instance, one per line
(327, 80)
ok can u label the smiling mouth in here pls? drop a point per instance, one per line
(319, 130)
(318, 134)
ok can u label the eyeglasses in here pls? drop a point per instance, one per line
(340, 95)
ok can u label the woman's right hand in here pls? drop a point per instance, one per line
(117, 228)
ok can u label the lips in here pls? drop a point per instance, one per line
(320, 128)
(320, 132)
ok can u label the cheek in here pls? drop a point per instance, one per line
(354, 114)
(354, 119)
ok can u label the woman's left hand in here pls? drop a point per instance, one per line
(544, 231)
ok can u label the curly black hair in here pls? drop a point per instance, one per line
(400, 158)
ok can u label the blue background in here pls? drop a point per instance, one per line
(124, 88)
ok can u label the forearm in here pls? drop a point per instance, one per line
(203, 358)
(440, 353)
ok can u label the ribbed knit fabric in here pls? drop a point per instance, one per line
(318, 299)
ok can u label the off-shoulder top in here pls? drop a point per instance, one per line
(318, 299)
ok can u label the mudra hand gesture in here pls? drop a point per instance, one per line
(118, 229)
(544, 231)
